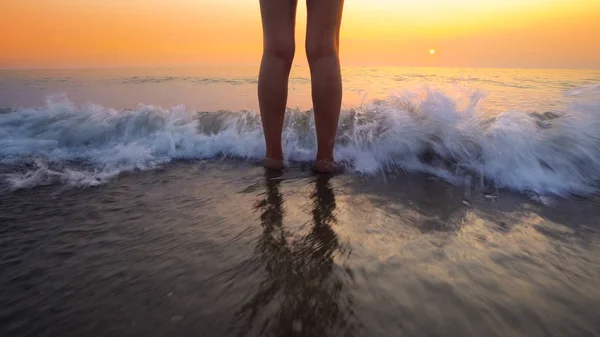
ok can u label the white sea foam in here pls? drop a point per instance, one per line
(448, 134)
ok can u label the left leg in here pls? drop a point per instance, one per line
(278, 22)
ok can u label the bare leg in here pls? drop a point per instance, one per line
(322, 50)
(278, 21)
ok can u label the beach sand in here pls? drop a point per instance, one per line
(222, 248)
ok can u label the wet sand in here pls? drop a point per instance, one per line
(225, 249)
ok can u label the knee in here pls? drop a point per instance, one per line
(282, 49)
(319, 49)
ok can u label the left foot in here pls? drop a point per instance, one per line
(273, 164)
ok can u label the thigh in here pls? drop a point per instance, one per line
(278, 22)
(324, 18)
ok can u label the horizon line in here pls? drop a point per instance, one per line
(115, 67)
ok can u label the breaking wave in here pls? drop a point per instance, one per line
(446, 134)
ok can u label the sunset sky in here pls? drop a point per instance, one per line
(140, 33)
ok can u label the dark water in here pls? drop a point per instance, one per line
(225, 249)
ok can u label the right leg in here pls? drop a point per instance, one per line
(324, 18)
(278, 22)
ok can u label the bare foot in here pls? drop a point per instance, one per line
(328, 166)
(273, 164)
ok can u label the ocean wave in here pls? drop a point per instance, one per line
(448, 134)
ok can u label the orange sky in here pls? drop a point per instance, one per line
(465, 33)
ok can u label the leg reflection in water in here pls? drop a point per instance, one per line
(302, 293)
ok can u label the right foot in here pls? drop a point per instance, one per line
(328, 166)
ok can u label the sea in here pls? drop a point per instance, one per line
(133, 203)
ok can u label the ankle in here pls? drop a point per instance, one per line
(274, 155)
(325, 157)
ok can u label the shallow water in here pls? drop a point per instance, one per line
(223, 249)
(533, 131)
(132, 206)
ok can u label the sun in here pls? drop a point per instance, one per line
(431, 51)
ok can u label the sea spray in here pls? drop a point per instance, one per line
(448, 134)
